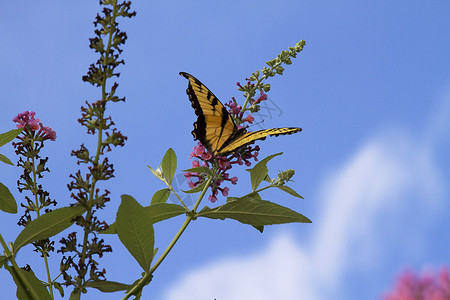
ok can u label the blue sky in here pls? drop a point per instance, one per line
(371, 91)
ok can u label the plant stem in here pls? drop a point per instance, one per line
(44, 253)
(175, 193)
(260, 190)
(249, 95)
(257, 84)
(99, 141)
(27, 286)
(144, 279)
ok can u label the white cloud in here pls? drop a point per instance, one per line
(360, 201)
(271, 274)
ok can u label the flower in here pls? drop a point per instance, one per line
(222, 165)
(261, 98)
(250, 119)
(32, 125)
(225, 191)
(410, 286)
(27, 118)
(46, 132)
(212, 198)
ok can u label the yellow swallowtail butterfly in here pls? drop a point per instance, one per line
(215, 127)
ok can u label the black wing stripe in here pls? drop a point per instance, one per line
(214, 124)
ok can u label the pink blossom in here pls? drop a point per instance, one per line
(262, 97)
(225, 191)
(28, 121)
(224, 164)
(411, 286)
(199, 150)
(195, 164)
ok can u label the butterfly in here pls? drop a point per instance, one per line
(215, 128)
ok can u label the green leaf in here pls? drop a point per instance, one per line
(169, 165)
(23, 293)
(259, 171)
(160, 196)
(201, 170)
(154, 252)
(256, 213)
(259, 228)
(197, 189)
(250, 197)
(156, 213)
(7, 137)
(289, 191)
(75, 295)
(7, 202)
(5, 160)
(2, 260)
(267, 179)
(48, 225)
(163, 211)
(60, 289)
(108, 286)
(135, 231)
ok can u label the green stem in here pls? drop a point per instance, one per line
(148, 274)
(249, 96)
(49, 278)
(27, 286)
(99, 141)
(260, 190)
(175, 193)
(38, 208)
(36, 200)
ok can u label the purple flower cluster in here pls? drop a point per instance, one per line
(27, 121)
(201, 153)
(410, 286)
(237, 114)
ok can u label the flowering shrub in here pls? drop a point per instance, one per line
(80, 251)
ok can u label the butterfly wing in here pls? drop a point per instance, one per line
(249, 137)
(215, 128)
(214, 125)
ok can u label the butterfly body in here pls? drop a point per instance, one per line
(215, 128)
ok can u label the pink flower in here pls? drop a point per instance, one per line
(34, 125)
(199, 150)
(224, 164)
(27, 121)
(212, 198)
(225, 191)
(410, 286)
(261, 98)
(46, 132)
